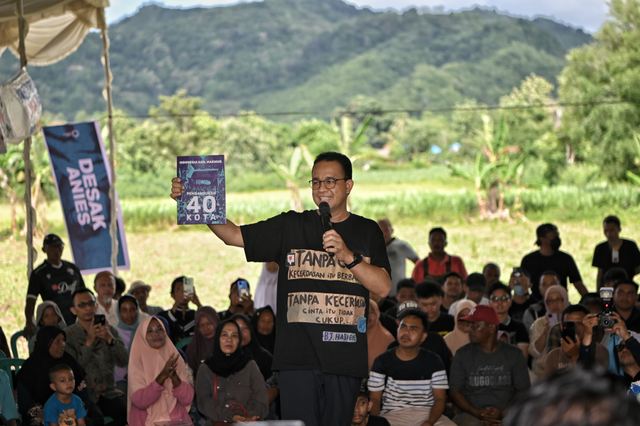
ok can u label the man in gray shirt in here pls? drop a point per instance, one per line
(397, 251)
(487, 373)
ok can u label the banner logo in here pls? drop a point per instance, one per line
(318, 265)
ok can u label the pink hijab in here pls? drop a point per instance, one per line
(557, 289)
(458, 338)
(145, 363)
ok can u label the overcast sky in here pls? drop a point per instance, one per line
(585, 14)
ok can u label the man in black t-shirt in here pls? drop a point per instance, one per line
(324, 280)
(549, 257)
(182, 319)
(500, 298)
(429, 296)
(55, 280)
(361, 415)
(616, 252)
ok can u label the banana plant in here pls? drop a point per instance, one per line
(292, 173)
(483, 176)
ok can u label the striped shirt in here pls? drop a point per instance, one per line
(407, 384)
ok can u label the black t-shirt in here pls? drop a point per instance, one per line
(517, 310)
(181, 324)
(387, 304)
(443, 325)
(628, 257)
(560, 262)
(436, 344)
(324, 307)
(57, 285)
(377, 421)
(516, 330)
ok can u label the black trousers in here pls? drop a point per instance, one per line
(318, 399)
(115, 408)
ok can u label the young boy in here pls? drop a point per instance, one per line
(63, 408)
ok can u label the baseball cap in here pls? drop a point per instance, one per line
(543, 230)
(52, 240)
(482, 313)
(476, 282)
(138, 284)
(409, 304)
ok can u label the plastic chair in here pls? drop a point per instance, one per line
(2, 355)
(14, 343)
(6, 365)
(184, 342)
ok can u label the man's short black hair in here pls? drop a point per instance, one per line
(453, 274)
(499, 286)
(56, 369)
(490, 265)
(423, 316)
(550, 272)
(440, 230)
(121, 286)
(572, 309)
(344, 161)
(405, 283)
(612, 219)
(476, 282)
(577, 397)
(175, 282)
(80, 291)
(592, 299)
(614, 275)
(427, 289)
(626, 282)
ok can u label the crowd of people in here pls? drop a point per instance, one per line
(444, 346)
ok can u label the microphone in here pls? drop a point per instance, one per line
(325, 217)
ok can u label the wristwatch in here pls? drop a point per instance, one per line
(357, 258)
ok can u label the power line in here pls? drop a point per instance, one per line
(389, 111)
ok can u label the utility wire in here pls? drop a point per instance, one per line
(390, 111)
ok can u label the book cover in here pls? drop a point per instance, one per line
(204, 198)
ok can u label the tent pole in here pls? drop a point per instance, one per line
(113, 230)
(26, 154)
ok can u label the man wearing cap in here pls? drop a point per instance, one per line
(141, 291)
(55, 279)
(487, 373)
(361, 415)
(549, 257)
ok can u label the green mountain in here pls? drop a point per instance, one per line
(304, 55)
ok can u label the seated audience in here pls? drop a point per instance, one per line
(500, 297)
(538, 309)
(562, 358)
(250, 344)
(408, 384)
(159, 388)
(121, 288)
(406, 290)
(520, 284)
(98, 348)
(63, 407)
(592, 302)
(267, 286)
(556, 301)
(105, 287)
(8, 410)
(452, 288)
(32, 381)
(180, 317)
(460, 334)
(141, 291)
(491, 273)
(616, 252)
(362, 414)
(625, 296)
(201, 346)
(230, 386)
(237, 305)
(549, 257)
(264, 323)
(4, 346)
(47, 313)
(613, 275)
(378, 337)
(438, 263)
(129, 318)
(398, 252)
(474, 288)
(487, 373)
(429, 296)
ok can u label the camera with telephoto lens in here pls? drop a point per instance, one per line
(606, 321)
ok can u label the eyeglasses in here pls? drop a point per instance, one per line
(329, 183)
(621, 347)
(499, 298)
(83, 305)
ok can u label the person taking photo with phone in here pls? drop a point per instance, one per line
(98, 347)
(181, 318)
(240, 301)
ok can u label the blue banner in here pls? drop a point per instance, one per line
(82, 175)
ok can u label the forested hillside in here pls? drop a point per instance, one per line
(305, 55)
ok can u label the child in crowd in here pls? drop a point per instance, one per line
(63, 408)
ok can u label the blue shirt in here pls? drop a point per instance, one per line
(63, 414)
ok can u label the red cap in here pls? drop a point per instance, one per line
(482, 313)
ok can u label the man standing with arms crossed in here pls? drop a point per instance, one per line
(323, 293)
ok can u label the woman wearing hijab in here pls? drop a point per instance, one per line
(378, 337)
(33, 378)
(460, 334)
(264, 325)
(260, 355)
(159, 389)
(556, 300)
(47, 313)
(230, 387)
(201, 346)
(128, 321)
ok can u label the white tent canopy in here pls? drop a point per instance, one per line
(43, 32)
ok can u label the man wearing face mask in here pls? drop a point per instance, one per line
(549, 257)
